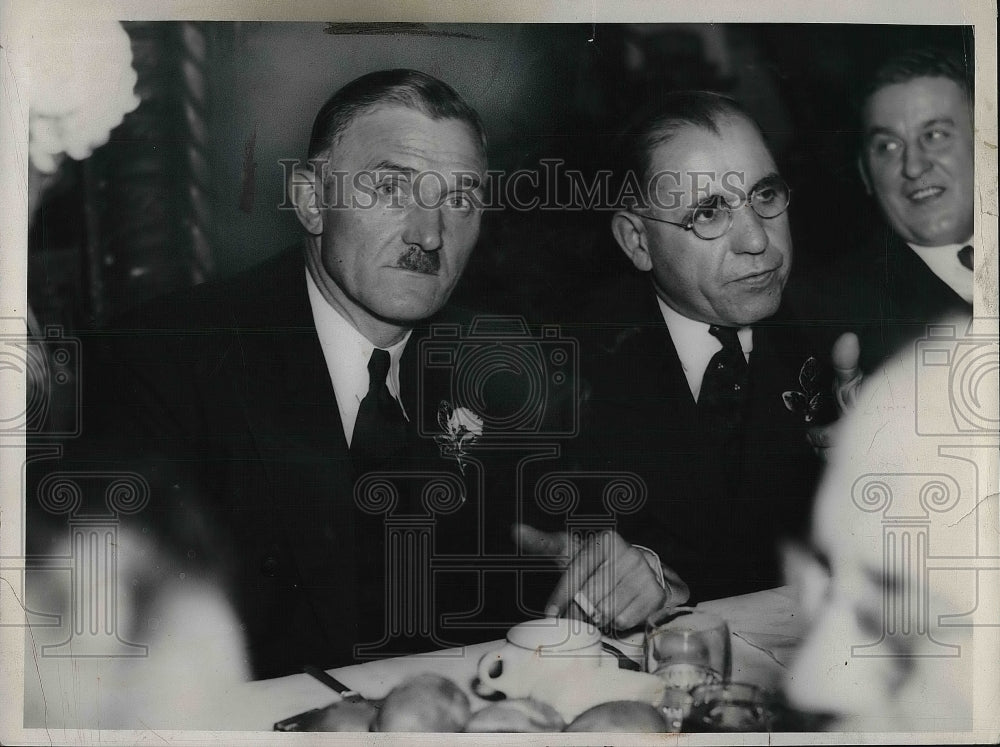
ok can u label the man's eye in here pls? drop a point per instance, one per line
(765, 195)
(394, 187)
(710, 212)
(461, 201)
(885, 147)
(706, 215)
(937, 137)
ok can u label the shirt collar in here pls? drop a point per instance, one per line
(347, 352)
(695, 345)
(943, 261)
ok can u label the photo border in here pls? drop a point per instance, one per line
(15, 17)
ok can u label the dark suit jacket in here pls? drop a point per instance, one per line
(902, 297)
(222, 398)
(886, 294)
(642, 418)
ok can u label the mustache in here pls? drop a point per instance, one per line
(416, 259)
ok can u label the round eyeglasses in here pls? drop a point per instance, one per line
(713, 219)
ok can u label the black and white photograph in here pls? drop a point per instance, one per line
(499, 372)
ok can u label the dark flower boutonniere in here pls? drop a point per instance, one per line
(810, 400)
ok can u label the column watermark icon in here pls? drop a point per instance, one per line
(95, 627)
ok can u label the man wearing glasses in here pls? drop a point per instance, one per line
(699, 382)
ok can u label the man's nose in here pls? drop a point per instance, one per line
(915, 161)
(424, 226)
(750, 237)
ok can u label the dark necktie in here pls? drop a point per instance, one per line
(380, 430)
(965, 256)
(724, 386)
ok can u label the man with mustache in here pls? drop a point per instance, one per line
(700, 383)
(262, 405)
(917, 161)
(264, 398)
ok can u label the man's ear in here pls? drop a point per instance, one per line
(863, 172)
(306, 189)
(630, 233)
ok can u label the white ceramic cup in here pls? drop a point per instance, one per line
(540, 649)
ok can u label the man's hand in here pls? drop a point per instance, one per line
(614, 577)
(847, 382)
(845, 355)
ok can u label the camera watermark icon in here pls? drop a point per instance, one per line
(92, 561)
(963, 365)
(935, 528)
(51, 367)
(523, 386)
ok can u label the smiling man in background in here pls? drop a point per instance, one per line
(917, 160)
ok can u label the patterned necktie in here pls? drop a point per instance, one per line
(965, 256)
(380, 430)
(725, 384)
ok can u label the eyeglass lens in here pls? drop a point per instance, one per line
(768, 200)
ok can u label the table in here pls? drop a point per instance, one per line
(766, 629)
(194, 677)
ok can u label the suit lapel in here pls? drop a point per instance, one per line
(915, 292)
(718, 534)
(774, 437)
(644, 351)
(645, 419)
(907, 296)
(291, 410)
(774, 369)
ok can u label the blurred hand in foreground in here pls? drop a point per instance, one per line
(845, 355)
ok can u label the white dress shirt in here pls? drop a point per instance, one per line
(696, 345)
(943, 262)
(347, 352)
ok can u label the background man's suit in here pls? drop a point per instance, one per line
(222, 397)
(713, 523)
(886, 295)
(901, 297)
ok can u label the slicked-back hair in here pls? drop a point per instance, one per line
(407, 88)
(660, 121)
(922, 62)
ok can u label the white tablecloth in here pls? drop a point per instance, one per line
(196, 681)
(765, 630)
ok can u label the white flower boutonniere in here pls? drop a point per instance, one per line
(462, 428)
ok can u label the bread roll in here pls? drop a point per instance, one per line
(516, 715)
(620, 716)
(341, 717)
(426, 702)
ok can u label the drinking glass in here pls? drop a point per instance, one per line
(676, 708)
(732, 707)
(686, 648)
